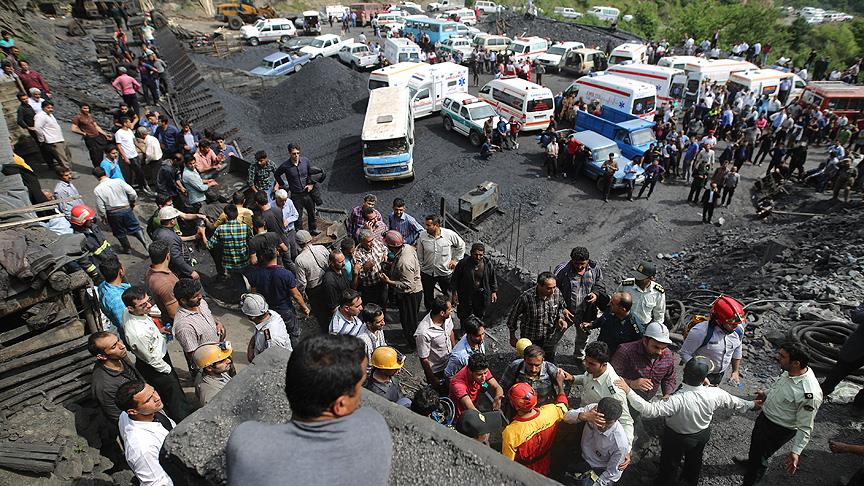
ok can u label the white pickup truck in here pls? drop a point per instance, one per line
(326, 45)
(442, 5)
(358, 56)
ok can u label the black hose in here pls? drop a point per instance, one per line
(824, 340)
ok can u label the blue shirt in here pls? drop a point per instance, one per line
(169, 137)
(349, 274)
(111, 303)
(274, 283)
(195, 186)
(727, 118)
(631, 175)
(112, 169)
(459, 356)
(227, 152)
(407, 226)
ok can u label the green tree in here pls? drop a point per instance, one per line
(837, 43)
(799, 34)
(646, 21)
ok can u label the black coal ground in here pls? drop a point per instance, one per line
(591, 36)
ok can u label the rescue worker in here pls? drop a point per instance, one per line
(788, 410)
(270, 329)
(649, 298)
(719, 339)
(94, 243)
(689, 412)
(214, 361)
(528, 438)
(386, 363)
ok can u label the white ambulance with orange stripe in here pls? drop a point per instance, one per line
(531, 104)
(670, 82)
(622, 94)
(529, 48)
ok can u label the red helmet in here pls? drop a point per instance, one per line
(728, 311)
(80, 214)
(523, 397)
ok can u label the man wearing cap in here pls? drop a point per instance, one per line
(618, 325)
(709, 140)
(382, 381)
(689, 412)
(647, 364)
(479, 425)
(580, 281)
(719, 339)
(404, 277)
(270, 329)
(649, 298)
(181, 260)
(311, 262)
(126, 87)
(529, 436)
(214, 361)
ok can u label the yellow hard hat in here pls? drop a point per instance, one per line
(521, 345)
(207, 354)
(387, 358)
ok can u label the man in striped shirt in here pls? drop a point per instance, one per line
(345, 320)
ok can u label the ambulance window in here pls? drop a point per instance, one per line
(486, 89)
(452, 83)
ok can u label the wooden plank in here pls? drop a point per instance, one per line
(66, 347)
(25, 465)
(59, 335)
(13, 446)
(32, 297)
(27, 221)
(35, 207)
(13, 334)
(85, 363)
(49, 387)
(24, 376)
(36, 456)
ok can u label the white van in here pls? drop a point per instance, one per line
(399, 49)
(678, 62)
(268, 30)
(490, 42)
(622, 94)
(465, 15)
(388, 135)
(567, 12)
(764, 82)
(604, 13)
(523, 48)
(531, 104)
(554, 57)
(427, 88)
(488, 7)
(387, 20)
(670, 82)
(395, 75)
(716, 70)
(629, 51)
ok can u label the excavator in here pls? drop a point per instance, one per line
(242, 12)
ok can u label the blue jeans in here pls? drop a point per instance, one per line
(123, 222)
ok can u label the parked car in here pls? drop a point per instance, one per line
(600, 148)
(327, 45)
(295, 44)
(268, 30)
(280, 63)
(488, 7)
(457, 44)
(466, 114)
(554, 58)
(358, 56)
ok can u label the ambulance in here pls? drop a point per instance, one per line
(395, 75)
(715, 70)
(670, 82)
(531, 104)
(629, 51)
(677, 62)
(764, 82)
(428, 88)
(529, 48)
(623, 94)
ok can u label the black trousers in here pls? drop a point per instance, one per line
(428, 282)
(96, 148)
(840, 371)
(377, 294)
(728, 192)
(317, 303)
(647, 184)
(695, 190)
(676, 446)
(168, 387)
(409, 309)
(472, 303)
(767, 438)
(303, 201)
(707, 211)
(132, 101)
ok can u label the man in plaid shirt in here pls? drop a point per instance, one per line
(228, 246)
(580, 281)
(356, 220)
(368, 257)
(647, 364)
(540, 315)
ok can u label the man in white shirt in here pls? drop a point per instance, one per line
(372, 333)
(688, 426)
(50, 134)
(115, 203)
(143, 428)
(598, 382)
(147, 342)
(605, 446)
(435, 340)
(439, 250)
(148, 145)
(270, 328)
(125, 140)
(345, 320)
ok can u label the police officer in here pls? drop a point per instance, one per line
(719, 339)
(688, 426)
(788, 411)
(94, 244)
(649, 298)
(269, 327)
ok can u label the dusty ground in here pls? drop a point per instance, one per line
(556, 215)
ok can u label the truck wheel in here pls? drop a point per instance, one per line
(448, 124)
(297, 68)
(475, 138)
(234, 23)
(253, 41)
(284, 39)
(354, 66)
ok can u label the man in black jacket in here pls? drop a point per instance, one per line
(850, 360)
(474, 283)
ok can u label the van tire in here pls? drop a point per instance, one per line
(284, 39)
(253, 41)
(599, 184)
(448, 124)
(475, 138)
(354, 66)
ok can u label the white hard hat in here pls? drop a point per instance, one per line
(253, 305)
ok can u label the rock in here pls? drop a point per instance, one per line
(69, 468)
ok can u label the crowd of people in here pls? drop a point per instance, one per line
(267, 249)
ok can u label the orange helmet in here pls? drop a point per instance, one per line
(522, 396)
(728, 311)
(80, 214)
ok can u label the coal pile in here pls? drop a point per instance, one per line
(556, 30)
(322, 92)
(246, 60)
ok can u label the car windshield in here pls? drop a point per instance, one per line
(618, 59)
(541, 104)
(601, 154)
(269, 64)
(377, 148)
(480, 112)
(556, 50)
(644, 105)
(258, 24)
(317, 43)
(519, 48)
(361, 51)
(642, 137)
(375, 84)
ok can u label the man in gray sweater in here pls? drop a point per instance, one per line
(320, 444)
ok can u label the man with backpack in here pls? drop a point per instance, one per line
(718, 338)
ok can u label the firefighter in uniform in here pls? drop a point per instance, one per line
(649, 298)
(719, 338)
(95, 246)
(788, 410)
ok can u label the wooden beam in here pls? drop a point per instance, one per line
(24, 446)
(13, 334)
(31, 297)
(24, 376)
(34, 382)
(28, 221)
(26, 465)
(37, 207)
(59, 335)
